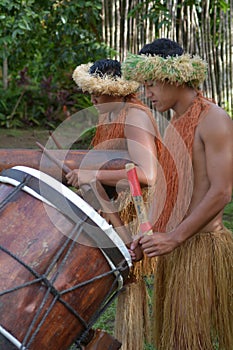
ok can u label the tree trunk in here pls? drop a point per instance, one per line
(5, 74)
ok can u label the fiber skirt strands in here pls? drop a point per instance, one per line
(193, 294)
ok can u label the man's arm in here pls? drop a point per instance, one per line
(140, 134)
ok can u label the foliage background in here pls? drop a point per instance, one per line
(41, 42)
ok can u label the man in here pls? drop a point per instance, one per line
(125, 123)
(193, 282)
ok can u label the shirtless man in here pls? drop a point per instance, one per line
(193, 281)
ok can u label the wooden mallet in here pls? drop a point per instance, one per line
(135, 189)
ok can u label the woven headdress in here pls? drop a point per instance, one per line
(182, 69)
(102, 85)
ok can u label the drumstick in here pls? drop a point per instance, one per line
(135, 189)
(55, 140)
(59, 163)
(110, 211)
(99, 192)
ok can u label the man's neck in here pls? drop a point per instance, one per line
(116, 111)
(185, 100)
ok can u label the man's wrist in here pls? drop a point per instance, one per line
(176, 237)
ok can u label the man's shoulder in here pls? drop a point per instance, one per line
(215, 115)
(140, 115)
(215, 122)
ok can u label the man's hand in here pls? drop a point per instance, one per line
(79, 177)
(136, 251)
(155, 244)
(72, 178)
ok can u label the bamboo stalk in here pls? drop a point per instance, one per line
(194, 28)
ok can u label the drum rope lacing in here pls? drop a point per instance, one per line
(82, 338)
(30, 334)
(15, 191)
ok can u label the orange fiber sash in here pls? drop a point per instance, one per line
(111, 135)
(175, 179)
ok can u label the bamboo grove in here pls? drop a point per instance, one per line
(202, 27)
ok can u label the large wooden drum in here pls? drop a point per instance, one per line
(61, 263)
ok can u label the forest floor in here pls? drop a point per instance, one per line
(27, 138)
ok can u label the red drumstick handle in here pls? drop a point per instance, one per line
(135, 189)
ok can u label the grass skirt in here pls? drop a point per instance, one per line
(193, 304)
(132, 317)
(132, 323)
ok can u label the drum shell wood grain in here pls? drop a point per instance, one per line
(28, 232)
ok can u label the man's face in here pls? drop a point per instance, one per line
(162, 95)
(105, 103)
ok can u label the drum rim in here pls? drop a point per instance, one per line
(75, 199)
(11, 338)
